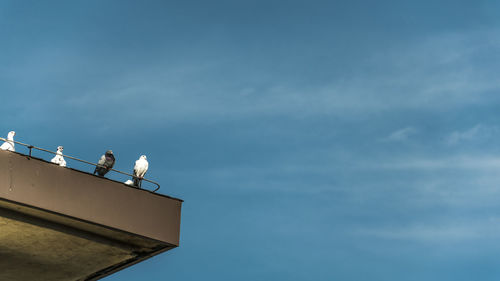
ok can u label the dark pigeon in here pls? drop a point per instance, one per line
(105, 164)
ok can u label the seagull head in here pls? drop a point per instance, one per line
(11, 135)
(109, 152)
(143, 157)
(60, 148)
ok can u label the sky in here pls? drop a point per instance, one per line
(310, 140)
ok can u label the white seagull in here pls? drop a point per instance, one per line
(140, 169)
(59, 159)
(9, 144)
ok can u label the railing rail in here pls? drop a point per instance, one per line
(30, 147)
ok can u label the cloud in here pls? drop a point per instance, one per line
(401, 135)
(458, 162)
(478, 132)
(438, 232)
(440, 72)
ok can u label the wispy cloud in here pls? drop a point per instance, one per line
(478, 132)
(459, 162)
(439, 72)
(401, 135)
(437, 233)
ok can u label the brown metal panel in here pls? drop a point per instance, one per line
(83, 196)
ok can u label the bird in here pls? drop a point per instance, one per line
(140, 169)
(105, 164)
(59, 159)
(9, 144)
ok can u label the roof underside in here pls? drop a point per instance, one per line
(31, 249)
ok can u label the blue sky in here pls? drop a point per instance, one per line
(310, 140)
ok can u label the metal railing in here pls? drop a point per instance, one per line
(30, 147)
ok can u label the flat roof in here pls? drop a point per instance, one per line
(63, 224)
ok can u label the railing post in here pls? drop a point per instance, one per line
(30, 147)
